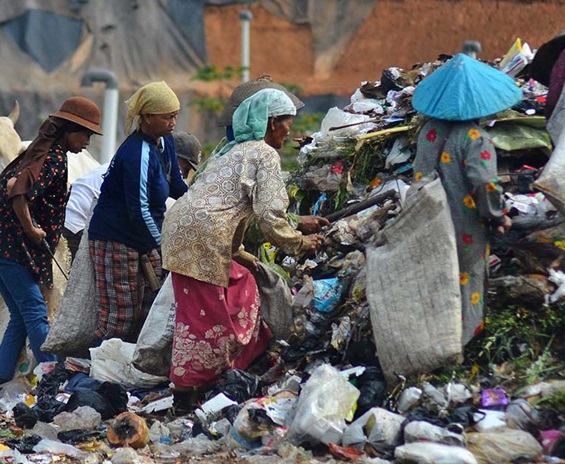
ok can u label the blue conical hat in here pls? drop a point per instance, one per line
(464, 89)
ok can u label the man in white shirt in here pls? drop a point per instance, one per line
(83, 191)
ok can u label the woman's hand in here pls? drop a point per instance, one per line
(35, 235)
(314, 241)
(504, 226)
(33, 232)
(311, 224)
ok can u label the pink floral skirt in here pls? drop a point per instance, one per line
(216, 328)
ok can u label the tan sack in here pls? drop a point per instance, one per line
(72, 329)
(413, 286)
(154, 345)
(276, 301)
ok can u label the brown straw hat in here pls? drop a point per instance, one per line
(245, 90)
(81, 111)
(545, 58)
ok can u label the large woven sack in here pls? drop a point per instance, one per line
(413, 286)
(276, 301)
(72, 329)
(550, 182)
(154, 346)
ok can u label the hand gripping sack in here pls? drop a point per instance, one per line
(413, 286)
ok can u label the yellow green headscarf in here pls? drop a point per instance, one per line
(154, 98)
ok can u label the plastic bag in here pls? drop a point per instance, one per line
(408, 398)
(327, 294)
(108, 400)
(112, 361)
(418, 431)
(491, 420)
(237, 384)
(433, 453)
(522, 414)
(261, 422)
(517, 58)
(335, 118)
(326, 401)
(503, 446)
(378, 427)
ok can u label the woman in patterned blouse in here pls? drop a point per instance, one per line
(218, 318)
(33, 195)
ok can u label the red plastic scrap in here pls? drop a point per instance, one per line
(348, 454)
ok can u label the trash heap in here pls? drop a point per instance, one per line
(341, 383)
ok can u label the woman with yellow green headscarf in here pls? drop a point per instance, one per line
(218, 318)
(126, 222)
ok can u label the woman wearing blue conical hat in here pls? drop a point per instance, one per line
(456, 96)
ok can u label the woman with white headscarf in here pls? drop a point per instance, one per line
(218, 319)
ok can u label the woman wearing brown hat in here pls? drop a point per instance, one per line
(33, 196)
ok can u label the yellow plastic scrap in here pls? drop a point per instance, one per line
(3, 447)
(560, 244)
(394, 130)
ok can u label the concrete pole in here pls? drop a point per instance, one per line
(472, 47)
(109, 111)
(245, 16)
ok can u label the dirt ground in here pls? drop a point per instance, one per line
(395, 33)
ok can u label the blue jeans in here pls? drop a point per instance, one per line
(28, 316)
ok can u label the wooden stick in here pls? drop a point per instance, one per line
(353, 209)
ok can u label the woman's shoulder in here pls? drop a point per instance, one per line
(57, 154)
(471, 131)
(253, 150)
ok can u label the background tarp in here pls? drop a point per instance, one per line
(46, 46)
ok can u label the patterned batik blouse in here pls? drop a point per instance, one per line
(204, 229)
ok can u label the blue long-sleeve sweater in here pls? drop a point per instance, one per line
(131, 206)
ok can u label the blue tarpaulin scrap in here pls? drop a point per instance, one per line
(48, 38)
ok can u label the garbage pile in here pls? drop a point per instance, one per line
(333, 387)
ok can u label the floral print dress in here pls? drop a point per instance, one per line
(467, 167)
(47, 200)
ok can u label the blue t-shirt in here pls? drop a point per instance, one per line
(131, 206)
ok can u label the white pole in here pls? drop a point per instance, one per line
(109, 124)
(245, 16)
(110, 110)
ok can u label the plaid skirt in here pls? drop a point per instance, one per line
(124, 296)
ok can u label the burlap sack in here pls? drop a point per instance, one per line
(413, 286)
(550, 182)
(153, 349)
(276, 301)
(72, 329)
